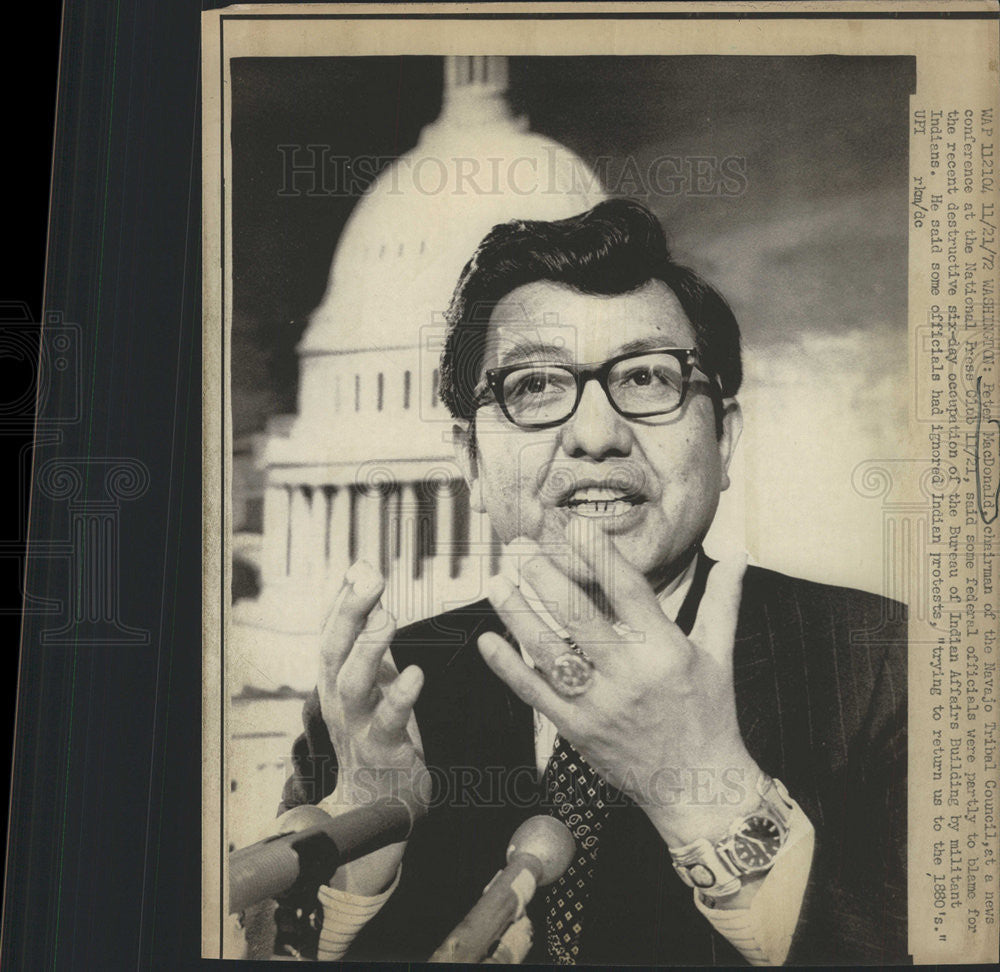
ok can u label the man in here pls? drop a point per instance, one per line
(726, 744)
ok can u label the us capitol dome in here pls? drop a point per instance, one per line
(365, 468)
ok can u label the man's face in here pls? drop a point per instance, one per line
(651, 484)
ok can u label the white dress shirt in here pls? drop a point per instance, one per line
(762, 932)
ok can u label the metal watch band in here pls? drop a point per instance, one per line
(712, 866)
(700, 866)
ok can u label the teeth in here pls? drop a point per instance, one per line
(599, 501)
(596, 494)
(602, 508)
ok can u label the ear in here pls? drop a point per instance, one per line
(463, 439)
(732, 426)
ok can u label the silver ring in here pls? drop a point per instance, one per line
(571, 673)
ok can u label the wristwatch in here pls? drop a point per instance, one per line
(750, 845)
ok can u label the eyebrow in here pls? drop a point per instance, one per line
(526, 352)
(647, 344)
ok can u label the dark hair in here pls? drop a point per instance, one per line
(614, 248)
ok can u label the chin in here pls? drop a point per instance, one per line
(657, 566)
(567, 560)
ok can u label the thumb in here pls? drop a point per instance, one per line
(715, 628)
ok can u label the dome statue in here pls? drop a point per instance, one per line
(365, 467)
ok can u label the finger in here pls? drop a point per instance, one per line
(572, 609)
(331, 596)
(393, 712)
(335, 589)
(387, 670)
(714, 630)
(357, 680)
(628, 593)
(363, 585)
(527, 684)
(537, 638)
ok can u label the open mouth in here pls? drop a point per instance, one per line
(598, 501)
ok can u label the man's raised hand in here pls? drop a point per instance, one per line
(658, 719)
(367, 707)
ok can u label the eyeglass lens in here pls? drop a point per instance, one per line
(647, 384)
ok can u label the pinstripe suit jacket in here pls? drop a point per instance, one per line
(820, 678)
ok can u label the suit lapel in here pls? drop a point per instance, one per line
(753, 661)
(757, 698)
(467, 716)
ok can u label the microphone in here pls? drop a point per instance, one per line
(275, 865)
(539, 852)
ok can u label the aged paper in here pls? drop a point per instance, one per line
(870, 455)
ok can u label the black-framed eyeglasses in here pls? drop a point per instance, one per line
(639, 384)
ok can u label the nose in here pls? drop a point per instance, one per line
(596, 430)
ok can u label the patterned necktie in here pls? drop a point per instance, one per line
(582, 800)
(579, 798)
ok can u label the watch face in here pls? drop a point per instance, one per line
(757, 842)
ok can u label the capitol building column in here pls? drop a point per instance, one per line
(407, 589)
(319, 515)
(274, 558)
(339, 532)
(368, 523)
(392, 542)
(301, 525)
(444, 537)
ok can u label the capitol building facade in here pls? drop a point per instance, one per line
(365, 468)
